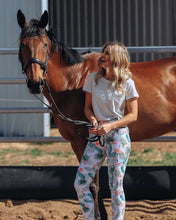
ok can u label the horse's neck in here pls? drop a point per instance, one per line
(61, 77)
(65, 78)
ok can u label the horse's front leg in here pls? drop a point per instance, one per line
(100, 211)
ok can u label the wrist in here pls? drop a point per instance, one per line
(113, 125)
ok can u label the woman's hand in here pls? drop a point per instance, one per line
(93, 129)
(104, 129)
(94, 121)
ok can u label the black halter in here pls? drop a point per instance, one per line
(44, 65)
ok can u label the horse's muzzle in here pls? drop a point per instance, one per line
(35, 87)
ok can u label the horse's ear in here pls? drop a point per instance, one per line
(21, 19)
(43, 20)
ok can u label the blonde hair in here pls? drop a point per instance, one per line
(120, 60)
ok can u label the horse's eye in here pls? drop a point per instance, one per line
(46, 45)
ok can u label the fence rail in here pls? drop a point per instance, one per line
(14, 51)
(31, 139)
(12, 81)
(24, 110)
(61, 139)
(145, 49)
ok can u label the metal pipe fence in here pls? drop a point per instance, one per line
(14, 51)
(144, 49)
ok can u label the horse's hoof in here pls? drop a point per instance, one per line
(97, 216)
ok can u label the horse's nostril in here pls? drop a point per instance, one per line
(35, 87)
(29, 83)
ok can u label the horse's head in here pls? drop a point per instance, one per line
(34, 51)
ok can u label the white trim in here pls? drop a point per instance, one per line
(44, 5)
(46, 116)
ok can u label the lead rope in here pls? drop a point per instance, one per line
(62, 116)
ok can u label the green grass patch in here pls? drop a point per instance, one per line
(9, 151)
(34, 152)
(56, 153)
(152, 158)
(148, 150)
(170, 158)
(149, 157)
(22, 163)
(42, 143)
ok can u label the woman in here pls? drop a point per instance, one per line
(108, 92)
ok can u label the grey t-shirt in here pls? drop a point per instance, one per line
(108, 103)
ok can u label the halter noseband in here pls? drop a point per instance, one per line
(44, 65)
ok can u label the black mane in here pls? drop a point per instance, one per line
(68, 55)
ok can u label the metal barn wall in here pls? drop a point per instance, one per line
(18, 95)
(91, 23)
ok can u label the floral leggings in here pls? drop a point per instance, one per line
(117, 149)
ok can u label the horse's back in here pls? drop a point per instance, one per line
(155, 82)
(143, 68)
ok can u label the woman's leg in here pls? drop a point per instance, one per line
(92, 160)
(118, 151)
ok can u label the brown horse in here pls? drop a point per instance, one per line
(48, 62)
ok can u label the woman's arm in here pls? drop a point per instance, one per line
(88, 109)
(132, 107)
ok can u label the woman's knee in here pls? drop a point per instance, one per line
(77, 186)
(80, 186)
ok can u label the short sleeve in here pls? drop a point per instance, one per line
(88, 83)
(131, 91)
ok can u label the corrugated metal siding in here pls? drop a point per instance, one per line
(91, 23)
(17, 95)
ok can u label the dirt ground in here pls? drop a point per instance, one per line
(70, 209)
